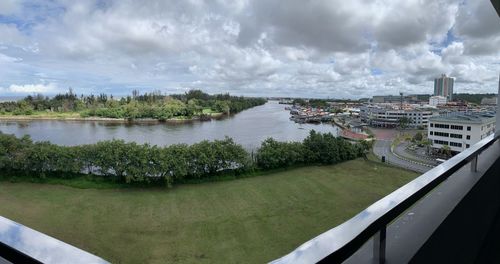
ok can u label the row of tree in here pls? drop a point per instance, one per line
(135, 163)
(149, 105)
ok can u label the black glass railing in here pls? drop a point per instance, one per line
(341, 242)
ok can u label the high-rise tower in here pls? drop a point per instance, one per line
(443, 86)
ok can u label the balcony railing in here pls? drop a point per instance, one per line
(449, 214)
(20, 244)
(342, 242)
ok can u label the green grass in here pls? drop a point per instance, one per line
(45, 114)
(250, 220)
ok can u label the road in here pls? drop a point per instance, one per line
(382, 147)
(401, 151)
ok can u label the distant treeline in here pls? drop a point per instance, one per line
(471, 98)
(132, 163)
(316, 103)
(149, 105)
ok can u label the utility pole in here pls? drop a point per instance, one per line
(401, 100)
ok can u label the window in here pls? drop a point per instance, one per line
(468, 128)
(455, 144)
(441, 134)
(467, 145)
(455, 136)
(441, 142)
(468, 137)
(432, 133)
(457, 127)
(432, 124)
(442, 126)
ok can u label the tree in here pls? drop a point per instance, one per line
(403, 122)
(427, 143)
(418, 137)
(446, 150)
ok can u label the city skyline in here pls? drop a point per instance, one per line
(324, 49)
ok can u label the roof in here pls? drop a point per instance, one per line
(467, 118)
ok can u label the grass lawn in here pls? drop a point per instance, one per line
(42, 115)
(250, 220)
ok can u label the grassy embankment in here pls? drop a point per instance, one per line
(250, 220)
(47, 115)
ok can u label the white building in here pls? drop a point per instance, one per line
(437, 100)
(383, 117)
(489, 101)
(460, 131)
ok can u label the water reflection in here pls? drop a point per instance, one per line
(248, 128)
(42, 247)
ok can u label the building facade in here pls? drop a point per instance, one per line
(443, 86)
(378, 99)
(460, 131)
(489, 101)
(437, 100)
(382, 117)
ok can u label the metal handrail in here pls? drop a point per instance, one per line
(21, 244)
(339, 243)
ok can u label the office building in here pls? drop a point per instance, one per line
(437, 100)
(459, 131)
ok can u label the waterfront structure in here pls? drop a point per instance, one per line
(437, 100)
(489, 101)
(459, 131)
(443, 86)
(378, 116)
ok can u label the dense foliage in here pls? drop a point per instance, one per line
(472, 98)
(134, 163)
(317, 148)
(149, 105)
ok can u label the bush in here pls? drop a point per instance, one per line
(145, 164)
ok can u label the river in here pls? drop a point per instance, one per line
(248, 128)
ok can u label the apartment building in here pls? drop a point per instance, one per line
(459, 131)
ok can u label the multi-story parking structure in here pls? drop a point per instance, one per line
(377, 116)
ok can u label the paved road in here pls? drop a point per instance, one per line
(383, 148)
(403, 152)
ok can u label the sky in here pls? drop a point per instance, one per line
(298, 48)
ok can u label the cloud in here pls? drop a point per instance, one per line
(478, 24)
(32, 88)
(9, 7)
(10, 35)
(323, 48)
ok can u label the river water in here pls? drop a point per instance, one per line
(248, 128)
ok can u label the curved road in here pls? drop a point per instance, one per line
(382, 147)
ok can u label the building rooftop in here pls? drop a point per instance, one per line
(469, 118)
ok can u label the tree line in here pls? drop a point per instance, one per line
(134, 163)
(152, 105)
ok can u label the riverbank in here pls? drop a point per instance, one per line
(77, 117)
(252, 219)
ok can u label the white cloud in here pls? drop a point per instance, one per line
(32, 88)
(9, 7)
(324, 48)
